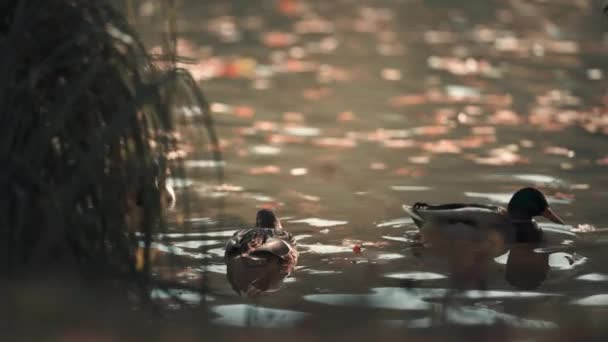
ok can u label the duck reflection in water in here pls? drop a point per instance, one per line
(471, 235)
(259, 259)
(526, 268)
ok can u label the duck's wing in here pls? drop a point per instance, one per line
(283, 248)
(233, 244)
(274, 246)
(261, 240)
(456, 213)
(238, 243)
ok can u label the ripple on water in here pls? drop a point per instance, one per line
(389, 256)
(189, 297)
(197, 244)
(415, 275)
(220, 233)
(396, 223)
(321, 272)
(538, 179)
(499, 294)
(595, 300)
(502, 259)
(318, 222)
(260, 197)
(384, 298)
(564, 261)
(245, 315)
(179, 183)
(204, 163)
(302, 237)
(217, 252)
(396, 238)
(593, 277)
(409, 188)
(202, 221)
(555, 234)
(559, 261)
(319, 248)
(413, 298)
(526, 177)
(468, 315)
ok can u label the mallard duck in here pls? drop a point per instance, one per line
(514, 224)
(258, 259)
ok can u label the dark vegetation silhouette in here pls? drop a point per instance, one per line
(86, 121)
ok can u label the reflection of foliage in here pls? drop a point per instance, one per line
(85, 128)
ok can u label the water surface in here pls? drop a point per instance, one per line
(336, 113)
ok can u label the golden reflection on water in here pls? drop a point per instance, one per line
(342, 111)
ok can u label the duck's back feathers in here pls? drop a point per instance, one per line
(260, 240)
(474, 215)
(274, 246)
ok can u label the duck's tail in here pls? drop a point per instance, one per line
(411, 211)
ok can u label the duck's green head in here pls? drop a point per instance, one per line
(530, 202)
(266, 219)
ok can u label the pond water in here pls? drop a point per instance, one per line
(336, 113)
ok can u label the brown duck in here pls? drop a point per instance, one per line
(259, 259)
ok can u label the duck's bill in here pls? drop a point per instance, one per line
(548, 213)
